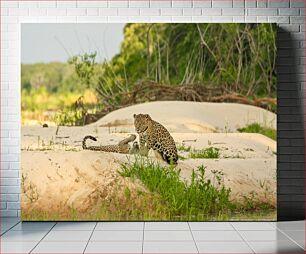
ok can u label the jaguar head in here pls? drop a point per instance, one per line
(141, 122)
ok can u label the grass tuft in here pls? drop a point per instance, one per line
(257, 128)
(182, 147)
(208, 153)
(191, 200)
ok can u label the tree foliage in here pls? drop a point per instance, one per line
(55, 77)
(238, 57)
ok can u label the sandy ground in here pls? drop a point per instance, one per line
(182, 116)
(57, 173)
(78, 180)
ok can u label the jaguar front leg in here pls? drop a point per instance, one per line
(143, 149)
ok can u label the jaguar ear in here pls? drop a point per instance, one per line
(147, 116)
(134, 115)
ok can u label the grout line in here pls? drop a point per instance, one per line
(10, 228)
(232, 225)
(247, 243)
(42, 238)
(274, 225)
(290, 238)
(90, 236)
(143, 232)
(193, 238)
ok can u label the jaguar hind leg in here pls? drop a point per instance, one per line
(170, 158)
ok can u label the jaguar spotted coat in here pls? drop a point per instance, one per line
(153, 135)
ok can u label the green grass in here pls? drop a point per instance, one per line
(105, 215)
(257, 128)
(183, 148)
(207, 153)
(191, 200)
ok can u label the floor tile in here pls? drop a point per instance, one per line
(273, 235)
(301, 243)
(22, 236)
(17, 247)
(7, 225)
(297, 235)
(216, 236)
(166, 226)
(60, 247)
(169, 247)
(290, 225)
(114, 247)
(119, 226)
(223, 247)
(69, 236)
(276, 247)
(9, 220)
(3, 230)
(252, 226)
(211, 226)
(167, 236)
(63, 226)
(33, 226)
(99, 236)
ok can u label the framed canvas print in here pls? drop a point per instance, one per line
(154, 122)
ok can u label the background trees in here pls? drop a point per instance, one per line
(231, 60)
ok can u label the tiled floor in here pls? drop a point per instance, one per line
(152, 237)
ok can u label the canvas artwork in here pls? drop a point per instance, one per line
(154, 122)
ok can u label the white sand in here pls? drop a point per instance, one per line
(78, 180)
(57, 173)
(181, 116)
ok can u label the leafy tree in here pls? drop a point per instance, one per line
(240, 58)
